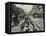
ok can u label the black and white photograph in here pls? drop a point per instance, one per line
(22, 17)
(27, 18)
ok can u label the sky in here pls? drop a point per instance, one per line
(26, 8)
